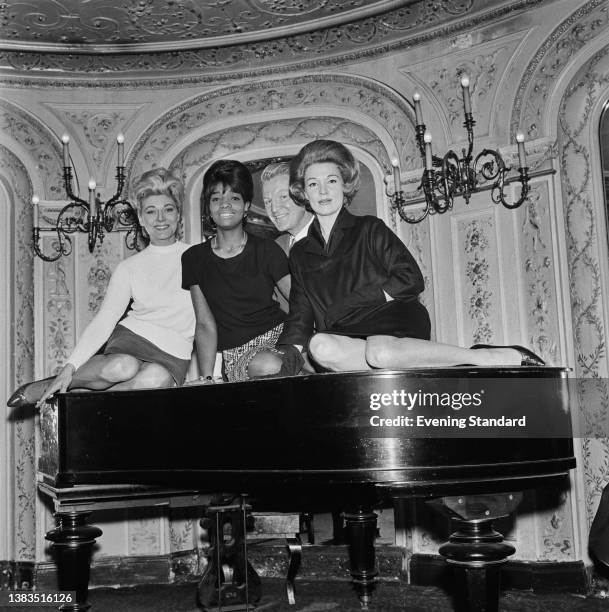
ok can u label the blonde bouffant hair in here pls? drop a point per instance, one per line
(158, 181)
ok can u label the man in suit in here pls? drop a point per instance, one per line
(289, 218)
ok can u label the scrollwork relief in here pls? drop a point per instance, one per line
(539, 274)
(479, 293)
(40, 144)
(365, 37)
(14, 173)
(552, 58)
(482, 73)
(345, 93)
(100, 130)
(273, 133)
(583, 222)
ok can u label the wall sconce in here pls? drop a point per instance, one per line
(450, 176)
(94, 217)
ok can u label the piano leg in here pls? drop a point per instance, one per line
(360, 530)
(476, 551)
(73, 542)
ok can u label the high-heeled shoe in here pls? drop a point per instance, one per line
(527, 357)
(29, 393)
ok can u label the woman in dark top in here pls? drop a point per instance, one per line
(232, 277)
(355, 286)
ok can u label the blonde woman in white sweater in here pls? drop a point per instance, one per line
(152, 345)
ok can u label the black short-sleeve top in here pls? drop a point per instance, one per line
(239, 289)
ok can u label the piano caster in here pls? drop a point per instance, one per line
(229, 582)
(360, 531)
(72, 544)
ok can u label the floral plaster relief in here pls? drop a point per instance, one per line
(14, 174)
(552, 58)
(335, 94)
(441, 76)
(94, 129)
(40, 144)
(256, 136)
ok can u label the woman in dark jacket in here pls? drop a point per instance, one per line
(355, 286)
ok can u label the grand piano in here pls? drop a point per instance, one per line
(469, 438)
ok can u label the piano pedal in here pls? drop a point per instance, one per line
(229, 582)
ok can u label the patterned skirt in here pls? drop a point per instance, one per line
(236, 360)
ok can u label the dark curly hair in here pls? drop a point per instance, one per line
(229, 173)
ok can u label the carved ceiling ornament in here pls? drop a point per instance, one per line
(210, 23)
(362, 35)
(381, 110)
(552, 58)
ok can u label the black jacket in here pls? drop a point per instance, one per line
(338, 287)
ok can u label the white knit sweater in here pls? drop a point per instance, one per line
(161, 312)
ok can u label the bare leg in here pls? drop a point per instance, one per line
(390, 352)
(149, 376)
(339, 353)
(264, 363)
(103, 371)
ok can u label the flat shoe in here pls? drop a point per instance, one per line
(527, 357)
(29, 393)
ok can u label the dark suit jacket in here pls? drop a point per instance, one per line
(283, 241)
(338, 287)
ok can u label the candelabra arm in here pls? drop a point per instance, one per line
(399, 203)
(67, 183)
(62, 247)
(469, 124)
(120, 184)
(419, 131)
(499, 197)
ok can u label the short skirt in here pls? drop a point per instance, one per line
(123, 340)
(236, 360)
(397, 318)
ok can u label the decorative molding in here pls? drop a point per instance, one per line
(538, 273)
(550, 60)
(585, 220)
(268, 134)
(43, 147)
(335, 94)
(475, 236)
(14, 174)
(365, 38)
(59, 308)
(161, 24)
